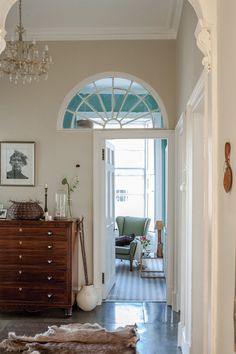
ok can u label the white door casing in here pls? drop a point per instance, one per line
(180, 213)
(195, 329)
(109, 229)
(99, 199)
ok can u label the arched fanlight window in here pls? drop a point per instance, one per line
(112, 102)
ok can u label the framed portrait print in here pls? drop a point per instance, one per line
(17, 163)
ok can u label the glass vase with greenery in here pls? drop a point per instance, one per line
(70, 187)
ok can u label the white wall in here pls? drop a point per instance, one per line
(29, 113)
(227, 202)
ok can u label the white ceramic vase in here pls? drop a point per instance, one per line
(87, 298)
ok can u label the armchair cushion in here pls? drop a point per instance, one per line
(124, 240)
(123, 250)
(126, 252)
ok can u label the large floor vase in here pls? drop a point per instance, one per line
(87, 298)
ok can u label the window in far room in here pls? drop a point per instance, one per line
(139, 178)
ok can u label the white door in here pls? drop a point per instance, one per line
(109, 244)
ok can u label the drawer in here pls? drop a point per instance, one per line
(49, 277)
(34, 295)
(55, 232)
(34, 259)
(32, 245)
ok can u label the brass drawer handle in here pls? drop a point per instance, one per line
(20, 289)
(49, 247)
(49, 277)
(49, 261)
(20, 230)
(50, 296)
(50, 233)
(20, 256)
(20, 272)
(20, 242)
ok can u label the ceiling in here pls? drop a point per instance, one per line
(97, 19)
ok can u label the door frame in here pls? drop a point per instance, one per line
(195, 328)
(109, 216)
(99, 137)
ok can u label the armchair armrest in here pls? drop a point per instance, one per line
(133, 246)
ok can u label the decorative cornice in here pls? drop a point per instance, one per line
(203, 37)
(2, 40)
(73, 33)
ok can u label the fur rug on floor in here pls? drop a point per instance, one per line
(75, 338)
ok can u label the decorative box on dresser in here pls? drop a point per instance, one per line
(36, 260)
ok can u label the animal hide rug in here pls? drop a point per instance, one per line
(75, 338)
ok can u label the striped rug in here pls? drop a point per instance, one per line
(129, 286)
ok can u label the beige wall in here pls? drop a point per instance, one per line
(29, 113)
(188, 57)
(227, 202)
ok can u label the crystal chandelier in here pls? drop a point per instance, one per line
(21, 60)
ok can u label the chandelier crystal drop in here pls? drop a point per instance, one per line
(21, 60)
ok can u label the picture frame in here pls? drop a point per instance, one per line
(17, 163)
(3, 213)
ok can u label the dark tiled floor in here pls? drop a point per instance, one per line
(157, 325)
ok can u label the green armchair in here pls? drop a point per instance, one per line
(130, 225)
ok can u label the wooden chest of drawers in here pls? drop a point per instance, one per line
(36, 264)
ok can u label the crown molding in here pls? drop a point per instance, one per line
(74, 33)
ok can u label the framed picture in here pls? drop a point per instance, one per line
(3, 213)
(17, 163)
